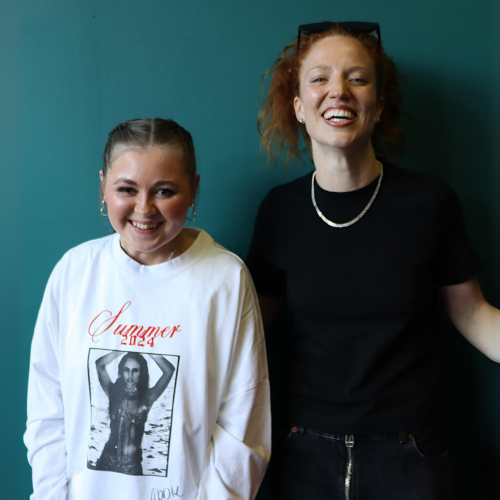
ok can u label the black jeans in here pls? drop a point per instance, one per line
(307, 465)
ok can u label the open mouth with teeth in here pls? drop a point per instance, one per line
(138, 225)
(339, 115)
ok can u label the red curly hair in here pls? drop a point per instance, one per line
(277, 123)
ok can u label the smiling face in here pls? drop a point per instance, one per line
(338, 97)
(148, 195)
(131, 373)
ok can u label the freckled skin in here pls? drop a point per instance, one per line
(338, 72)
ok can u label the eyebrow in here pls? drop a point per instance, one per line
(321, 66)
(130, 182)
(350, 68)
(357, 68)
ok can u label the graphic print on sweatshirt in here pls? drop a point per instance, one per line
(131, 398)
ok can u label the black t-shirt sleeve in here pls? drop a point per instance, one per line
(455, 258)
(268, 278)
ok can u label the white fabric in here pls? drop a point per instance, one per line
(219, 443)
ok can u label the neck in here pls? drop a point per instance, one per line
(184, 243)
(343, 171)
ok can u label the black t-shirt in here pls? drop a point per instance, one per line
(362, 298)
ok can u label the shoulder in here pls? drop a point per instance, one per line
(417, 186)
(84, 253)
(226, 262)
(216, 259)
(221, 271)
(294, 187)
(406, 177)
(282, 198)
(90, 248)
(75, 264)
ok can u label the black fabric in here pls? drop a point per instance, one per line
(308, 465)
(365, 356)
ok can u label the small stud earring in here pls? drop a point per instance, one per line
(301, 120)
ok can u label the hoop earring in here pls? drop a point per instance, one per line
(102, 209)
(194, 214)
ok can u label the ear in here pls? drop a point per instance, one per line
(380, 105)
(297, 105)
(101, 177)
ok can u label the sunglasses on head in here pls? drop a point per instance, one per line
(354, 27)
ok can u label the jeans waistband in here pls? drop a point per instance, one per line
(400, 436)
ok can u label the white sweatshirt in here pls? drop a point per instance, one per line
(207, 436)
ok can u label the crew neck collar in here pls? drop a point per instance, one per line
(165, 269)
(347, 194)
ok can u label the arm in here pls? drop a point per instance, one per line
(477, 320)
(239, 451)
(262, 260)
(271, 308)
(45, 437)
(167, 369)
(102, 373)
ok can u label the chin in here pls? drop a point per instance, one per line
(346, 143)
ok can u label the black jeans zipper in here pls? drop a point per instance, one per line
(349, 442)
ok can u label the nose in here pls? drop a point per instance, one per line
(145, 205)
(338, 88)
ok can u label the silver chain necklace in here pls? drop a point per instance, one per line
(351, 222)
(174, 250)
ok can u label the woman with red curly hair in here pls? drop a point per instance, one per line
(359, 249)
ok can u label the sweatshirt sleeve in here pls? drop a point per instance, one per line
(44, 437)
(239, 451)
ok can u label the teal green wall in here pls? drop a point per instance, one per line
(13, 362)
(83, 66)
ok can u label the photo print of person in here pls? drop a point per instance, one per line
(131, 397)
